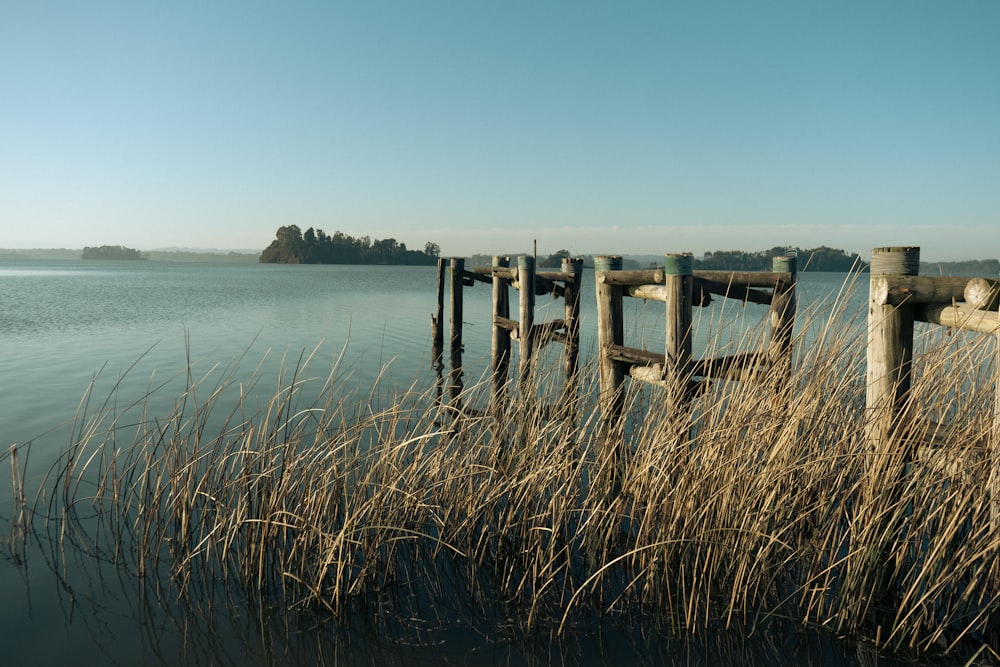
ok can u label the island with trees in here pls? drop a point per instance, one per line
(111, 252)
(314, 246)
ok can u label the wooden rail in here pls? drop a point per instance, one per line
(680, 289)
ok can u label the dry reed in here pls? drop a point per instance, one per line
(757, 504)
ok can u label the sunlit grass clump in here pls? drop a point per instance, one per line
(756, 505)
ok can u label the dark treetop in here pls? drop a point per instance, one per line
(291, 246)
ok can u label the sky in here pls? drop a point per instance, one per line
(486, 127)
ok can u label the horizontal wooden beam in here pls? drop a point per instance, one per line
(636, 277)
(734, 291)
(631, 355)
(890, 290)
(748, 278)
(506, 323)
(656, 277)
(959, 316)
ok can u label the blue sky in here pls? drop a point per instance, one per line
(598, 127)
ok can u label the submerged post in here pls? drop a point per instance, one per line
(457, 283)
(678, 286)
(526, 318)
(610, 331)
(500, 347)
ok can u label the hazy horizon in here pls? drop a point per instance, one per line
(864, 254)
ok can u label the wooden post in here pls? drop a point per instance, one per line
(890, 347)
(993, 448)
(610, 331)
(437, 322)
(572, 317)
(526, 317)
(783, 307)
(500, 347)
(890, 358)
(678, 287)
(457, 283)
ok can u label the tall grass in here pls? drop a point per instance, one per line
(756, 505)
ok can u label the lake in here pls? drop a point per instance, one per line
(138, 331)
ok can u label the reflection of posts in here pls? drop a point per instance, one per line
(500, 347)
(437, 363)
(455, 339)
(526, 319)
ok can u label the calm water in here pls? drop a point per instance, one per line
(138, 325)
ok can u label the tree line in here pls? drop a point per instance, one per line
(814, 259)
(314, 246)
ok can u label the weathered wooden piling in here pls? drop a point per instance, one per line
(783, 307)
(500, 344)
(455, 339)
(571, 297)
(783, 311)
(610, 331)
(890, 346)
(526, 316)
(993, 447)
(678, 283)
(437, 320)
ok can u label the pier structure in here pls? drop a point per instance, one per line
(681, 289)
(529, 335)
(897, 433)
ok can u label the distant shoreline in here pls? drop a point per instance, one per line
(982, 267)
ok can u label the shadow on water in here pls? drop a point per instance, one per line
(112, 617)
